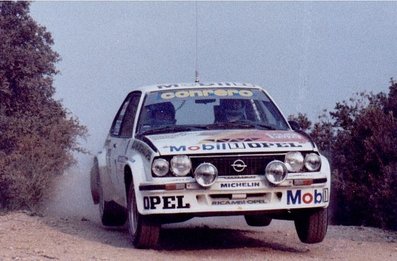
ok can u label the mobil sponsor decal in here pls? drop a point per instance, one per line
(299, 197)
(203, 147)
(232, 146)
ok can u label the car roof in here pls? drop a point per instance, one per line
(175, 86)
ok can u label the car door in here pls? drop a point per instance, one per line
(120, 138)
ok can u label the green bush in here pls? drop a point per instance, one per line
(360, 139)
(37, 135)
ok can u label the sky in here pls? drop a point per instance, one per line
(308, 55)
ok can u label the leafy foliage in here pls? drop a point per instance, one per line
(37, 134)
(360, 139)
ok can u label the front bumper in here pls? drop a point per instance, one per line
(237, 195)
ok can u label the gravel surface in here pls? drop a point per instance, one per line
(24, 236)
(69, 229)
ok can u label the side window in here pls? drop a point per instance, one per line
(123, 124)
(116, 126)
(129, 116)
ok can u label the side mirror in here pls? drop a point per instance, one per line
(295, 125)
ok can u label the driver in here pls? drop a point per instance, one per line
(162, 113)
(234, 109)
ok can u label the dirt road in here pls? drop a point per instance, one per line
(70, 230)
(25, 237)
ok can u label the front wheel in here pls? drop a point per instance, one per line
(144, 230)
(312, 225)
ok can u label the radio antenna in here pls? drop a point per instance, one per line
(197, 80)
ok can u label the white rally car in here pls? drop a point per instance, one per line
(191, 150)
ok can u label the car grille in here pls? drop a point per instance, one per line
(255, 164)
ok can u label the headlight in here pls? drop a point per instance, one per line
(294, 161)
(181, 165)
(312, 162)
(206, 174)
(160, 167)
(276, 172)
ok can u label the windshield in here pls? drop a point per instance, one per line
(191, 109)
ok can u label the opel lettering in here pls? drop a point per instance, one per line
(165, 202)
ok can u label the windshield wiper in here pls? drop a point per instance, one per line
(171, 128)
(262, 125)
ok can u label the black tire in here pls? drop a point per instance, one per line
(312, 225)
(144, 231)
(110, 213)
(257, 220)
(94, 182)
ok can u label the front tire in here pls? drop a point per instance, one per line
(144, 230)
(311, 225)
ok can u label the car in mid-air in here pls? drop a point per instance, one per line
(178, 151)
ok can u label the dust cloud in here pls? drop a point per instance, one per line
(70, 194)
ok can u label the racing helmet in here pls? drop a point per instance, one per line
(234, 109)
(162, 113)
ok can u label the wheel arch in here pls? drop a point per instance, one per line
(134, 173)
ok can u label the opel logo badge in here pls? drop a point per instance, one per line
(239, 165)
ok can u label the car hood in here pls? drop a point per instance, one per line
(230, 141)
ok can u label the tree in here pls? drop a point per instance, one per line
(359, 137)
(38, 135)
(321, 132)
(304, 123)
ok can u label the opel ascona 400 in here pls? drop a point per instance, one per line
(179, 151)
